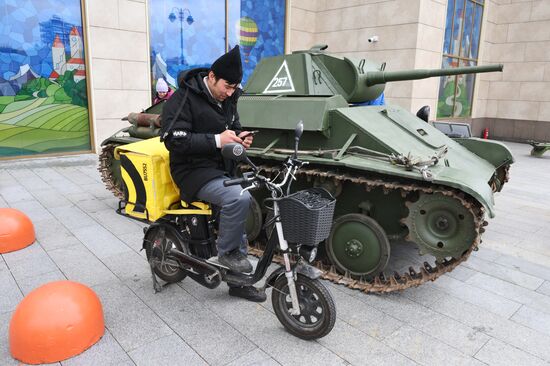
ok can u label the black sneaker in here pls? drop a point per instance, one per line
(250, 293)
(235, 261)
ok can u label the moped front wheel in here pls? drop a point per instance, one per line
(158, 243)
(317, 310)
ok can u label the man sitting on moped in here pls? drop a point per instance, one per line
(201, 118)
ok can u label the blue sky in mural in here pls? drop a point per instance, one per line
(269, 17)
(203, 35)
(27, 31)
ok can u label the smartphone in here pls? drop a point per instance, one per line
(249, 133)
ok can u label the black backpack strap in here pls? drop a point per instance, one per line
(171, 124)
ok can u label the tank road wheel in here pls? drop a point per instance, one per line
(440, 225)
(358, 244)
(254, 221)
(109, 168)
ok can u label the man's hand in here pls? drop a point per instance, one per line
(227, 137)
(247, 140)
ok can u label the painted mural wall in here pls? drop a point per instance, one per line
(43, 95)
(190, 34)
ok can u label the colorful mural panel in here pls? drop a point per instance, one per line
(43, 93)
(460, 48)
(259, 28)
(185, 35)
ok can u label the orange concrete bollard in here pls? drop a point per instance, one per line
(54, 322)
(16, 230)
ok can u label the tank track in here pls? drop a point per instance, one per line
(105, 157)
(397, 281)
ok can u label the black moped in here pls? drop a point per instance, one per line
(179, 246)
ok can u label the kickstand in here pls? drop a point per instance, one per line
(156, 285)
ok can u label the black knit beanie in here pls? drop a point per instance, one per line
(229, 66)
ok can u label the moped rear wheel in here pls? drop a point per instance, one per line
(157, 248)
(317, 309)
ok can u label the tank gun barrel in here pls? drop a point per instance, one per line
(382, 77)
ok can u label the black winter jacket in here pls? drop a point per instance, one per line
(194, 158)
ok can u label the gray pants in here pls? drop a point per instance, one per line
(234, 210)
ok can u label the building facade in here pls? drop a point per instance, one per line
(411, 34)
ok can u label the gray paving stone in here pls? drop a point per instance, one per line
(2, 202)
(50, 198)
(5, 355)
(48, 174)
(72, 217)
(131, 268)
(32, 182)
(478, 296)
(358, 348)
(495, 326)
(134, 240)
(54, 235)
(533, 319)
(424, 349)
(511, 291)
(29, 283)
(98, 190)
(165, 351)
(501, 354)
(525, 266)
(116, 223)
(255, 357)
(504, 273)
(65, 186)
(29, 261)
(486, 254)
(73, 174)
(91, 171)
(130, 320)
(364, 317)
(34, 210)
(11, 294)
(260, 325)
(461, 273)
(13, 193)
(106, 351)
(80, 265)
(544, 288)
(463, 338)
(425, 294)
(111, 202)
(201, 328)
(89, 204)
(100, 241)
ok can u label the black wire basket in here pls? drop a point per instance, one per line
(307, 215)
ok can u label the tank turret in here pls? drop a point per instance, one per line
(315, 73)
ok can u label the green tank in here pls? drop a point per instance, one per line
(411, 202)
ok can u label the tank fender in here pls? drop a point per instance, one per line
(301, 268)
(114, 138)
(167, 225)
(494, 152)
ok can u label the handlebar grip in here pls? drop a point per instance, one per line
(233, 182)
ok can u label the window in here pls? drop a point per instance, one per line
(186, 35)
(460, 48)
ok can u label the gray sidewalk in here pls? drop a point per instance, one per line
(493, 309)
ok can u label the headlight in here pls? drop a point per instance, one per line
(308, 253)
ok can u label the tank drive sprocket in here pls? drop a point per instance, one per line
(109, 168)
(440, 225)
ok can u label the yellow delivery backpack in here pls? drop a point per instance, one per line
(150, 192)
